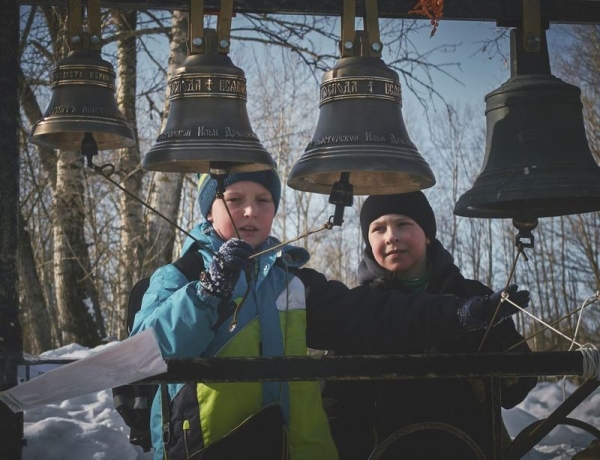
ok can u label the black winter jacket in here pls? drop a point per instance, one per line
(363, 414)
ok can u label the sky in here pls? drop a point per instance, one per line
(89, 428)
(480, 71)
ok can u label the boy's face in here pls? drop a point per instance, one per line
(399, 244)
(252, 209)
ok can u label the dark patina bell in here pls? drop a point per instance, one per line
(537, 160)
(83, 101)
(361, 132)
(208, 121)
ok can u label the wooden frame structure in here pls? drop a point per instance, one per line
(504, 12)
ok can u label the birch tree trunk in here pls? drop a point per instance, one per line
(131, 232)
(165, 188)
(76, 315)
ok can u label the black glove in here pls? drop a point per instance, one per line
(225, 268)
(477, 312)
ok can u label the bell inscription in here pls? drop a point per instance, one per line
(239, 134)
(175, 134)
(360, 87)
(69, 75)
(84, 110)
(335, 139)
(196, 85)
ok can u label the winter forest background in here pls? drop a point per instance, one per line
(83, 243)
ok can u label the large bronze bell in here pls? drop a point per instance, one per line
(360, 131)
(83, 101)
(208, 121)
(537, 159)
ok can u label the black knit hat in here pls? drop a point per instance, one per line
(413, 205)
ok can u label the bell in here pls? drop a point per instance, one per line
(208, 121)
(537, 160)
(83, 101)
(360, 131)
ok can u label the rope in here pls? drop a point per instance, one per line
(591, 299)
(591, 361)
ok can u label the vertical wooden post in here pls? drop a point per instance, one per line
(11, 340)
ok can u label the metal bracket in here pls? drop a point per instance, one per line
(532, 26)
(89, 37)
(224, 26)
(196, 37)
(360, 43)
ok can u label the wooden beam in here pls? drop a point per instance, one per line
(506, 12)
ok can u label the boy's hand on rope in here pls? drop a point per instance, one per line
(477, 312)
(223, 273)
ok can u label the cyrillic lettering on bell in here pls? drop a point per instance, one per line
(207, 86)
(61, 110)
(239, 134)
(232, 86)
(360, 87)
(175, 133)
(203, 131)
(69, 75)
(101, 111)
(372, 137)
(336, 139)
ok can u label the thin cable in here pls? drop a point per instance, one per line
(588, 301)
(520, 250)
(100, 170)
(222, 198)
(591, 299)
(588, 368)
(326, 226)
(548, 326)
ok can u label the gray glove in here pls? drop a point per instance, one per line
(477, 312)
(223, 273)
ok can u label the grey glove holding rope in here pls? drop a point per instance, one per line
(227, 264)
(477, 312)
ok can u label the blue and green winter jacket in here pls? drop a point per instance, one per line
(271, 322)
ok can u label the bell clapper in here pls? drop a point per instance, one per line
(89, 148)
(341, 196)
(524, 238)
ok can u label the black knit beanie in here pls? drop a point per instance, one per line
(413, 205)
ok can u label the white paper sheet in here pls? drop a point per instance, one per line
(133, 359)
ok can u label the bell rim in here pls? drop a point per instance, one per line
(169, 158)
(42, 133)
(549, 201)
